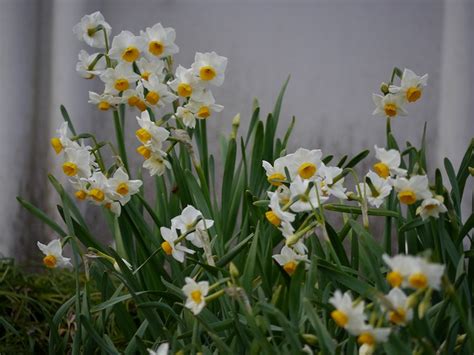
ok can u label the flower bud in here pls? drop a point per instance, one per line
(310, 339)
(384, 88)
(234, 272)
(471, 170)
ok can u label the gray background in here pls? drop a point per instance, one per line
(337, 53)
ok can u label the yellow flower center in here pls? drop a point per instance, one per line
(166, 248)
(418, 280)
(144, 151)
(272, 218)
(306, 170)
(80, 194)
(398, 316)
(141, 105)
(49, 261)
(122, 188)
(273, 179)
(382, 170)
(145, 75)
(103, 105)
(156, 48)
(196, 296)
(390, 109)
(184, 90)
(130, 54)
(366, 338)
(413, 94)
(153, 97)
(203, 112)
(290, 267)
(108, 205)
(407, 197)
(69, 168)
(121, 84)
(57, 146)
(340, 318)
(394, 278)
(143, 135)
(97, 194)
(431, 207)
(133, 100)
(207, 73)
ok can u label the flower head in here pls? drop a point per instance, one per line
(104, 101)
(171, 247)
(431, 207)
(411, 86)
(53, 254)
(276, 215)
(210, 68)
(163, 349)
(389, 105)
(306, 197)
(78, 161)
(87, 30)
(191, 219)
(381, 188)
(158, 94)
(122, 186)
(399, 312)
(159, 41)
(127, 47)
(388, 163)
(347, 314)
(195, 293)
(203, 104)
(413, 189)
(84, 63)
(148, 68)
(289, 260)
(62, 141)
(304, 163)
(185, 82)
(119, 79)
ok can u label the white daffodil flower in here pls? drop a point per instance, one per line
(78, 162)
(372, 336)
(159, 41)
(119, 79)
(411, 86)
(81, 187)
(158, 93)
(413, 189)
(156, 164)
(283, 192)
(85, 61)
(185, 82)
(348, 315)
(113, 206)
(389, 163)
(399, 313)
(276, 215)
(381, 189)
(287, 230)
(195, 293)
(304, 163)
(62, 141)
(327, 185)
(188, 220)
(306, 199)
(150, 133)
(289, 260)
(127, 47)
(86, 30)
(163, 349)
(53, 255)
(148, 68)
(123, 187)
(210, 68)
(186, 116)
(389, 105)
(276, 173)
(134, 99)
(413, 271)
(99, 189)
(170, 247)
(366, 349)
(104, 101)
(202, 104)
(432, 207)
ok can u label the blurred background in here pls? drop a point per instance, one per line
(337, 52)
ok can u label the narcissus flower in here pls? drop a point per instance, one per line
(77, 162)
(156, 164)
(327, 185)
(127, 47)
(123, 187)
(289, 260)
(372, 336)
(276, 173)
(413, 189)
(158, 93)
(389, 163)
(348, 315)
(304, 163)
(87, 30)
(163, 349)
(287, 231)
(185, 82)
(186, 116)
(104, 101)
(432, 207)
(399, 312)
(169, 245)
(376, 195)
(189, 219)
(203, 104)
(276, 214)
(119, 79)
(99, 189)
(210, 68)
(62, 141)
(389, 105)
(148, 68)
(85, 61)
(305, 196)
(150, 133)
(159, 41)
(411, 87)
(195, 293)
(53, 254)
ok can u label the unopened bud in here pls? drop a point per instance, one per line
(310, 339)
(422, 308)
(234, 272)
(471, 170)
(412, 300)
(236, 120)
(384, 88)
(292, 239)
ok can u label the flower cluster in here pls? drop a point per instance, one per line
(396, 307)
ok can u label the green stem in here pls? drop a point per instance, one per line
(120, 140)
